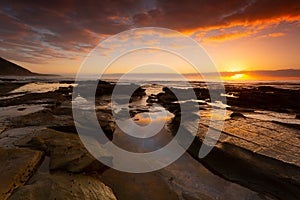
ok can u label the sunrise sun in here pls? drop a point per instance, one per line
(237, 76)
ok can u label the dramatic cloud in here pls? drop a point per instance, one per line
(196, 14)
(195, 17)
(52, 27)
(33, 30)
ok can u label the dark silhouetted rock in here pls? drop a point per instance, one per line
(236, 115)
(265, 97)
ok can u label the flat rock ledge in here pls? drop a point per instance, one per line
(17, 167)
(265, 162)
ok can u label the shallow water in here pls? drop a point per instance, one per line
(40, 87)
(19, 110)
(185, 176)
(11, 96)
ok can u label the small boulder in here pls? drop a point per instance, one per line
(66, 151)
(237, 115)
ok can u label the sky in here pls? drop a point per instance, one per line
(239, 35)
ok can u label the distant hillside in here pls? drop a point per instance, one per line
(8, 68)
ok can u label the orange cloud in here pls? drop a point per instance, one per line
(252, 28)
(276, 34)
(227, 36)
(259, 24)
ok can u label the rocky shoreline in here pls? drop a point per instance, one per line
(40, 149)
(30, 137)
(261, 155)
